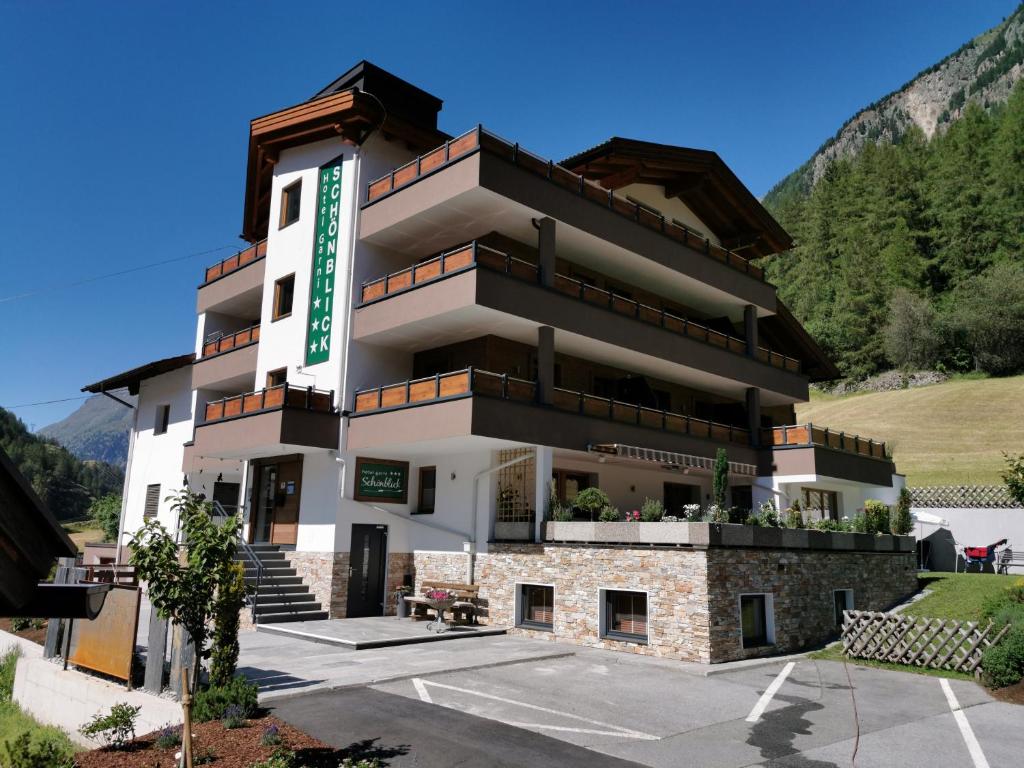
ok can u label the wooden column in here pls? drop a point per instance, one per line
(546, 247)
(754, 414)
(750, 328)
(546, 364)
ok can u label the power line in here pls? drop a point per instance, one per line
(59, 400)
(86, 280)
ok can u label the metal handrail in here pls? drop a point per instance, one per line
(237, 257)
(248, 552)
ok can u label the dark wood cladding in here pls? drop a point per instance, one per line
(830, 462)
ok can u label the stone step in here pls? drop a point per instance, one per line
(272, 581)
(281, 608)
(271, 570)
(266, 547)
(264, 557)
(282, 589)
(284, 597)
(281, 618)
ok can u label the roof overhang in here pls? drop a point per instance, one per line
(135, 376)
(698, 177)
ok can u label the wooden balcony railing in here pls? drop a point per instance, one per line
(481, 139)
(472, 381)
(230, 341)
(271, 398)
(473, 254)
(108, 573)
(810, 434)
(237, 261)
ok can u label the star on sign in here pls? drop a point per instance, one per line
(316, 303)
(316, 325)
(312, 348)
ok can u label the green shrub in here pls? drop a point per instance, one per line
(768, 515)
(229, 602)
(212, 703)
(372, 762)
(8, 663)
(1002, 664)
(561, 513)
(902, 523)
(717, 514)
(42, 750)
(114, 729)
(753, 520)
(720, 478)
(591, 501)
(282, 758)
(168, 737)
(652, 510)
(876, 516)
(609, 514)
(106, 513)
(794, 517)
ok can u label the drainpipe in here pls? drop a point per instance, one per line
(474, 523)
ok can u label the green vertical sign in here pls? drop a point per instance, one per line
(325, 255)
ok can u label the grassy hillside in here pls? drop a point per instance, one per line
(946, 434)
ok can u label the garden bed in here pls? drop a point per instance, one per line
(231, 748)
(36, 632)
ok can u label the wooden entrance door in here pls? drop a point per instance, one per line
(284, 523)
(368, 570)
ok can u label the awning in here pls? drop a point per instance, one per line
(930, 519)
(669, 459)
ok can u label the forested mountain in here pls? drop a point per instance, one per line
(910, 247)
(97, 430)
(65, 483)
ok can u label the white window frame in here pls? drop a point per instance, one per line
(849, 601)
(602, 617)
(769, 617)
(519, 607)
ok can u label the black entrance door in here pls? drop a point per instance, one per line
(367, 570)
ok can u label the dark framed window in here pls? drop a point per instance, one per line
(163, 419)
(756, 620)
(625, 615)
(826, 502)
(536, 606)
(284, 293)
(152, 505)
(677, 495)
(291, 196)
(842, 600)
(277, 377)
(742, 496)
(428, 490)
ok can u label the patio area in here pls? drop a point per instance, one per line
(374, 632)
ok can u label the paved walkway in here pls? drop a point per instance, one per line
(375, 632)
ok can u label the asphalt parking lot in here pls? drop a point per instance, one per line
(601, 708)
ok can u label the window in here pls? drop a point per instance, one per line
(677, 495)
(742, 496)
(428, 490)
(163, 418)
(825, 502)
(536, 606)
(277, 377)
(625, 616)
(757, 620)
(152, 502)
(843, 601)
(290, 197)
(284, 292)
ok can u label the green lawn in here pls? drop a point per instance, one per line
(952, 433)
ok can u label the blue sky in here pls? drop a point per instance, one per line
(123, 126)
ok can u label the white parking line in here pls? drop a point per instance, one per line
(766, 697)
(611, 730)
(965, 727)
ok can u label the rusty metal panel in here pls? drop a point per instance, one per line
(106, 643)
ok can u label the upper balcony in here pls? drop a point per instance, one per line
(479, 182)
(810, 449)
(471, 403)
(234, 286)
(479, 290)
(228, 361)
(268, 422)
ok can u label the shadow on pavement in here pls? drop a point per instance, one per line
(775, 734)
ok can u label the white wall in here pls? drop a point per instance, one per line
(976, 527)
(674, 208)
(627, 485)
(785, 489)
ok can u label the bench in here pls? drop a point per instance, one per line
(463, 610)
(1008, 558)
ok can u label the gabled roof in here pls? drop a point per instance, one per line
(698, 177)
(135, 376)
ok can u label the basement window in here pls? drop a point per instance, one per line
(624, 615)
(757, 620)
(536, 606)
(290, 199)
(163, 419)
(842, 600)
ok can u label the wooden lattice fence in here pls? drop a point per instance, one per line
(936, 643)
(962, 497)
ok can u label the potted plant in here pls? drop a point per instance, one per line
(402, 607)
(440, 600)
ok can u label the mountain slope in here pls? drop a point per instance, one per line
(952, 433)
(983, 71)
(97, 430)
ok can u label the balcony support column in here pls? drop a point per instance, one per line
(543, 466)
(754, 415)
(546, 364)
(546, 248)
(750, 329)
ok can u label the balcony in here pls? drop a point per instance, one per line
(475, 255)
(228, 362)
(472, 402)
(808, 449)
(267, 422)
(234, 286)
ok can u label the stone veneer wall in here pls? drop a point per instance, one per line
(324, 573)
(801, 584)
(693, 594)
(400, 565)
(440, 566)
(675, 580)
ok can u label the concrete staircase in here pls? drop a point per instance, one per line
(282, 594)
